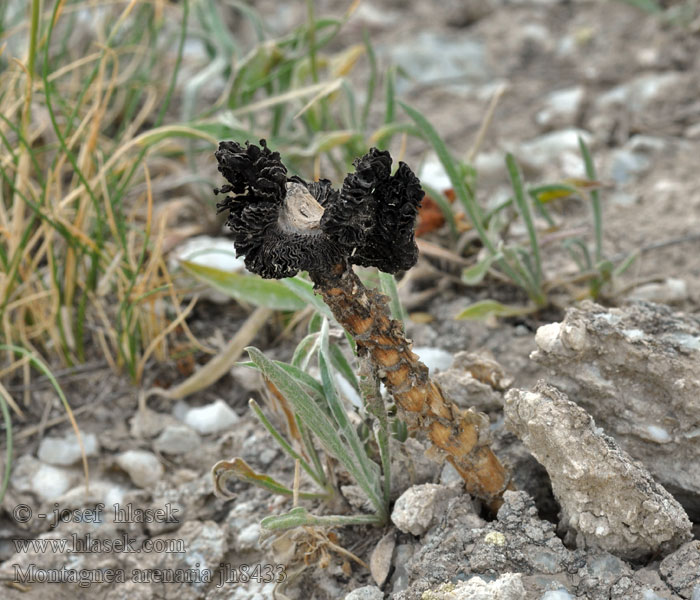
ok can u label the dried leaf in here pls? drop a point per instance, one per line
(381, 559)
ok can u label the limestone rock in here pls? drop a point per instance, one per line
(608, 500)
(420, 507)
(635, 370)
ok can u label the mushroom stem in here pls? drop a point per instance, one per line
(461, 435)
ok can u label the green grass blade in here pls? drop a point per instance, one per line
(371, 85)
(299, 517)
(374, 404)
(305, 350)
(317, 421)
(524, 208)
(475, 274)
(311, 450)
(39, 364)
(341, 364)
(448, 162)
(285, 445)
(595, 200)
(304, 290)
(486, 308)
(368, 482)
(246, 288)
(390, 96)
(240, 469)
(649, 6)
(387, 284)
(462, 192)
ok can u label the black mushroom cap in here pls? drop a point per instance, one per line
(285, 225)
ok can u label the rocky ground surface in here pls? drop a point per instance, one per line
(629, 84)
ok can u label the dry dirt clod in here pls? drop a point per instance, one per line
(635, 370)
(608, 500)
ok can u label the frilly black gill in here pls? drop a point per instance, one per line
(370, 222)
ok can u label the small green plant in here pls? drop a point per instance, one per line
(314, 413)
(522, 265)
(679, 14)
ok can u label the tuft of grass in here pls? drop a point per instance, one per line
(510, 260)
(5, 399)
(82, 249)
(313, 413)
(99, 159)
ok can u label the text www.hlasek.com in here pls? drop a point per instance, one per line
(82, 545)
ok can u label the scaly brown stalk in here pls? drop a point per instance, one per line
(461, 435)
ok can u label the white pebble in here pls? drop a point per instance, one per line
(421, 506)
(211, 418)
(177, 439)
(66, 451)
(143, 467)
(436, 359)
(50, 482)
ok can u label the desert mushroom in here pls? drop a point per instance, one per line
(283, 225)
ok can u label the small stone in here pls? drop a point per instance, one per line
(436, 359)
(23, 471)
(402, 573)
(561, 107)
(267, 456)
(368, 592)
(147, 423)
(462, 13)
(143, 467)
(626, 165)
(449, 475)
(559, 148)
(211, 418)
(430, 56)
(639, 93)
(668, 291)
(66, 451)
(421, 506)
(177, 439)
(646, 144)
(248, 538)
(475, 380)
(205, 543)
(432, 173)
(248, 379)
(208, 252)
(177, 510)
(547, 337)
(557, 595)
(490, 166)
(693, 132)
(50, 482)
